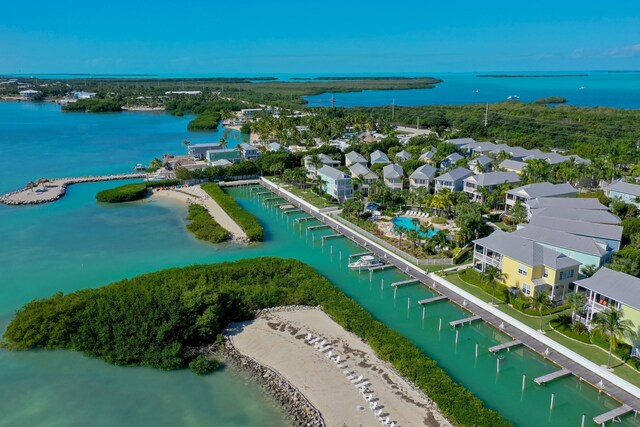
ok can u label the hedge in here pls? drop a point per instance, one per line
(204, 227)
(246, 220)
(129, 192)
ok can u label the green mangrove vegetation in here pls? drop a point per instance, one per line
(246, 220)
(551, 100)
(95, 105)
(158, 319)
(204, 122)
(204, 227)
(129, 192)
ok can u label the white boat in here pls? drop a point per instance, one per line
(140, 167)
(513, 97)
(581, 88)
(366, 261)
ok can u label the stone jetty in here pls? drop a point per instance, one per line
(45, 191)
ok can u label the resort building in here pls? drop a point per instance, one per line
(583, 249)
(460, 142)
(249, 152)
(610, 288)
(528, 266)
(512, 166)
(353, 158)
(422, 177)
(393, 176)
(450, 161)
(403, 156)
(230, 154)
(555, 158)
(199, 151)
(489, 181)
(379, 157)
(624, 191)
(610, 234)
(323, 160)
(84, 95)
(480, 164)
(366, 174)
(336, 183)
(540, 189)
(29, 93)
(452, 180)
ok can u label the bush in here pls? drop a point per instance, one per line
(129, 192)
(204, 227)
(204, 122)
(94, 105)
(246, 220)
(438, 220)
(203, 366)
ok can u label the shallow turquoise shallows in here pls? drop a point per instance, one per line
(407, 223)
(77, 243)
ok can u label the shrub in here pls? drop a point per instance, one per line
(246, 220)
(204, 122)
(439, 220)
(129, 192)
(204, 227)
(203, 366)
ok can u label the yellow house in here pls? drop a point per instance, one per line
(527, 265)
(610, 288)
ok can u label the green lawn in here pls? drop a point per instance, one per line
(590, 351)
(305, 194)
(504, 227)
(435, 267)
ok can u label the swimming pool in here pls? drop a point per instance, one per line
(406, 222)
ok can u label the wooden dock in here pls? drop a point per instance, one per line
(268, 199)
(304, 218)
(434, 299)
(382, 267)
(360, 254)
(288, 211)
(503, 346)
(316, 227)
(331, 236)
(262, 193)
(464, 321)
(284, 205)
(612, 414)
(552, 376)
(405, 282)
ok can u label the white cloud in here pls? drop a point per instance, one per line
(623, 52)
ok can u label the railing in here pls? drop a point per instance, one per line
(390, 247)
(496, 262)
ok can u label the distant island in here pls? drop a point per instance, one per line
(367, 78)
(511, 76)
(551, 100)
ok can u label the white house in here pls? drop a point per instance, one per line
(624, 191)
(379, 157)
(422, 177)
(249, 152)
(336, 183)
(366, 174)
(452, 180)
(403, 156)
(480, 164)
(393, 176)
(324, 161)
(490, 181)
(352, 158)
(537, 190)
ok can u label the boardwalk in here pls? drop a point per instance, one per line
(53, 190)
(625, 392)
(552, 376)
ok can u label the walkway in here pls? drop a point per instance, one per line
(580, 366)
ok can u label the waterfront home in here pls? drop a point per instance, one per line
(403, 156)
(480, 164)
(555, 158)
(479, 148)
(584, 249)
(489, 181)
(324, 161)
(450, 161)
(624, 191)
(422, 177)
(379, 157)
(249, 152)
(249, 113)
(460, 142)
(452, 180)
(336, 183)
(199, 151)
(528, 266)
(353, 158)
(587, 215)
(611, 234)
(393, 176)
(428, 156)
(274, 146)
(29, 93)
(610, 288)
(363, 172)
(537, 190)
(84, 95)
(512, 166)
(230, 154)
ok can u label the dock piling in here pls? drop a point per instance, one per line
(408, 303)
(457, 334)
(524, 379)
(395, 291)
(440, 325)
(497, 365)
(423, 309)
(476, 350)
(553, 396)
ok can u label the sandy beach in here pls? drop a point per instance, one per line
(195, 194)
(278, 340)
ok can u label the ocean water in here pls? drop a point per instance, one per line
(599, 89)
(76, 243)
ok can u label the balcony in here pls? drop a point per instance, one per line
(489, 259)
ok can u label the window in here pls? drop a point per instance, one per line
(545, 274)
(522, 270)
(526, 289)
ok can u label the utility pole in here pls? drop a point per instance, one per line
(393, 108)
(486, 115)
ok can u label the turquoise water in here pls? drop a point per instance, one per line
(601, 88)
(76, 243)
(405, 222)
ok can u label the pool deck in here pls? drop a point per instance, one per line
(584, 369)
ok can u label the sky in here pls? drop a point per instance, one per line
(310, 37)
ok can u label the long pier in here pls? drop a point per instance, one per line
(430, 300)
(552, 376)
(466, 320)
(504, 346)
(405, 282)
(316, 227)
(54, 189)
(612, 414)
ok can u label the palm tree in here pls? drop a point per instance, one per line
(610, 322)
(576, 300)
(589, 270)
(186, 143)
(440, 241)
(491, 277)
(541, 302)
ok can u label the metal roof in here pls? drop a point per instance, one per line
(455, 175)
(542, 189)
(581, 228)
(616, 285)
(625, 188)
(512, 164)
(566, 203)
(379, 157)
(490, 179)
(564, 240)
(392, 171)
(587, 215)
(332, 173)
(424, 172)
(355, 157)
(358, 169)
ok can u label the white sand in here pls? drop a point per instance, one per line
(277, 340)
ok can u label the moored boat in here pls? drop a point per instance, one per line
(366, 261)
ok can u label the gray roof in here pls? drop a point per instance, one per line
(358, 169)
(542, 189)
(424, 172)
(428, 155)
(206, 145)
(512, 164)
(354, 157)
(522, 152)
(481, 146)
(326, 160)
(221, 162)
(526, 251)
(454, 157)
(615, 285)
(581, 228)
(566, 202)
(332, 173)
(403, 155)
(246, 146)
(274, 146)
(560, 239)
(587, 215)
(392, 171)
(482, 161)
(379, 157)
(455, 175)
(625, 188)
(460, 141)
(493, 178)
(500, 148)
